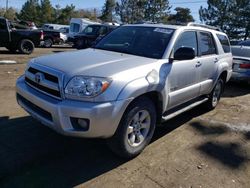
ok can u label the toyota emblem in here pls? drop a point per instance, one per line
(38, 77)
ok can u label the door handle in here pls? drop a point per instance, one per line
(198, 64)
(216, 60)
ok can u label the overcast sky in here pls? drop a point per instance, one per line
(194, 5)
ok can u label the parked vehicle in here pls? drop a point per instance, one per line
(241, 63)
(53, 26)
(244, 43)
(52, 37)
(22, 40)
(86, 38)
(77, 25)
(135, 77)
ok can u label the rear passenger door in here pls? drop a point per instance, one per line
(208, 60)
(183, 78)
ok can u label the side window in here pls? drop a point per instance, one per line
(2, 24)
(206, 42)
(224, 42)
(187, 39)
(103, 30)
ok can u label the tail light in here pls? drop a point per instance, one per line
(245, 66)
(42, 35)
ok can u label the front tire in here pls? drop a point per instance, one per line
(215, 95)
(26, 46)
(135, 130)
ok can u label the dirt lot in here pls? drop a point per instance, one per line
(196, 149)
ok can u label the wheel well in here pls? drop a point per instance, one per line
(26, 38)
(223, 76)
(156, 98)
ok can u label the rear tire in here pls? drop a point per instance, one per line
(215, 95)
(135, 130)
(48, 43)
(26, 46)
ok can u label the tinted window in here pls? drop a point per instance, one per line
(74, 27)
(206, 42)
(187, 39)
(225, 43)
(2, 24)
(103, 30)
(91, 30)
(141, 41)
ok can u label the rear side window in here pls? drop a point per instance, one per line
(224, 42)
(206, 42)
(74, 27)
(187, 39)
(2, 24)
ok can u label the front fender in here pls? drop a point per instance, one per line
(136, 88)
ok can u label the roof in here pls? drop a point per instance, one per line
(156, 25)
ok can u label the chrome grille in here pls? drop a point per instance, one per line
(43, 81)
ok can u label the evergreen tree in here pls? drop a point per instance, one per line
(46, 12)
(66, 14)
(232, 16)
(156, 10)
(108, 10)
(183, 15)
(30, 11)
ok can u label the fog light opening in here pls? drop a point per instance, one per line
(83, 123)
(80, 124)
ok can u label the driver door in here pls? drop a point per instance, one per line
(183, 78)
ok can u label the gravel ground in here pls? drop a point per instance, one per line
(196, 149)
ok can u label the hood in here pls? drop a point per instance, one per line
(93, 62)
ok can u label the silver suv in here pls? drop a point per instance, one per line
(131, 80)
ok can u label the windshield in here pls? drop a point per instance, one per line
(91, 30)
(141, 41)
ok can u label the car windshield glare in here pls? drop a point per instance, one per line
(143, 41)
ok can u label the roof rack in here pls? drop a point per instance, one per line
(204, 26)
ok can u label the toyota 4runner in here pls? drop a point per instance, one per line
(131, 80)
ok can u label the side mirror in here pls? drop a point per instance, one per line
(184, 53)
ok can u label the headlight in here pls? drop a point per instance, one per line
(82, 86)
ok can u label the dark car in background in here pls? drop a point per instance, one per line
(241, 63)
(51, 37)
(90, 34)
(23, 40)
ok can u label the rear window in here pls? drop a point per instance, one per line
(224, 42)
(207, 45)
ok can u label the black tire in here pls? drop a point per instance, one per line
(215, 95)
(119, 143)
(26, 46)
(79, 44)
(48, 43)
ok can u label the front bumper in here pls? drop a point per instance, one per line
(103, 117)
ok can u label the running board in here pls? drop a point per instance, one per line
(184, 109)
